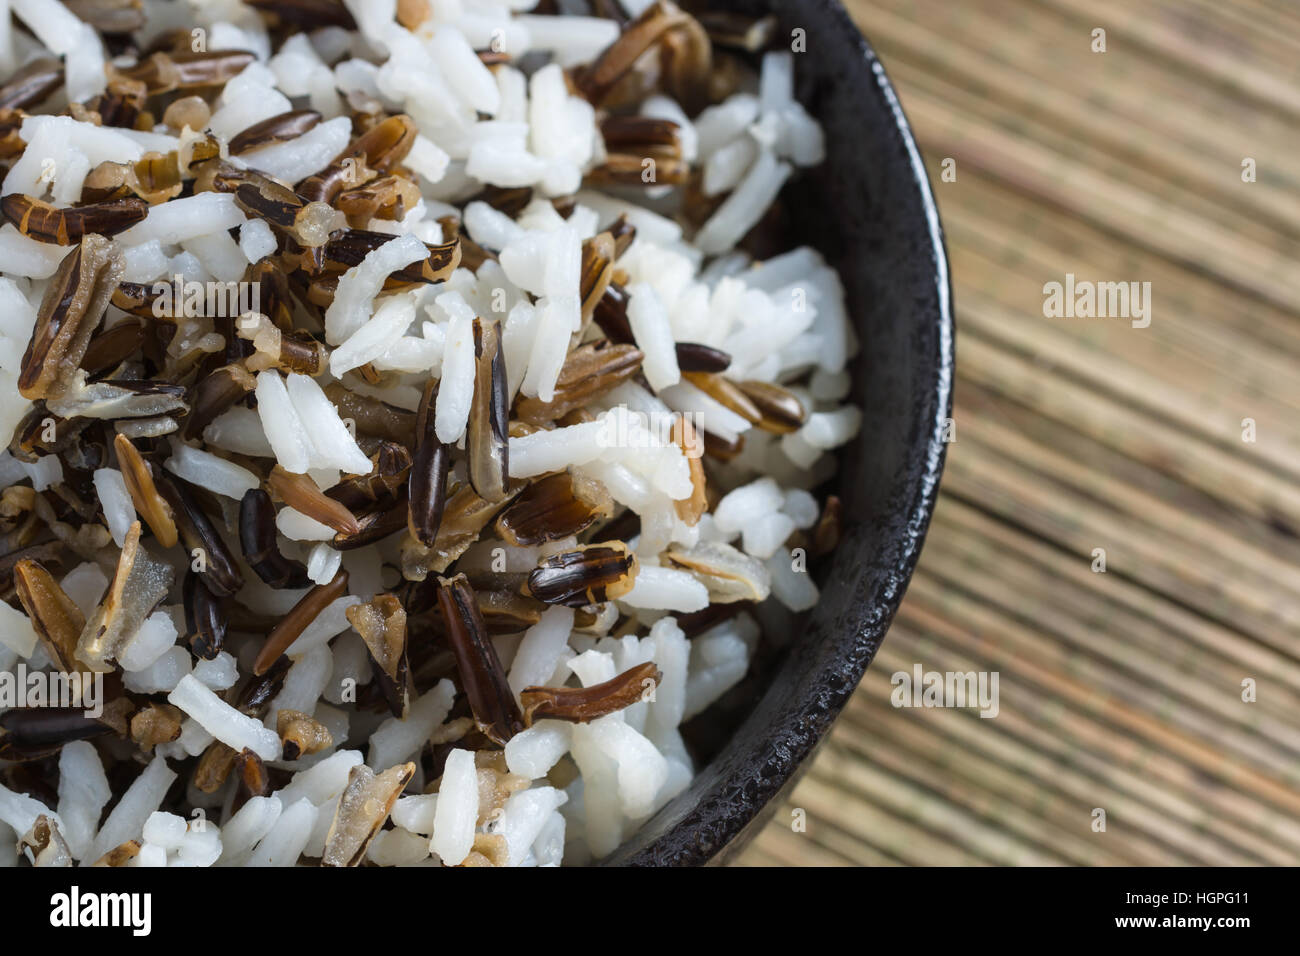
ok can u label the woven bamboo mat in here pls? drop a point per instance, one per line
(1122, 690)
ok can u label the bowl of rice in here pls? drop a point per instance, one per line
(489, 433)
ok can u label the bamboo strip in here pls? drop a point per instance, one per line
(1057, 726)
(1149, 822)
(1168, 616)
(1122, 714)
(1141, 553)
(985, 212)
(1015, 804)
(946, 820)
(1108, 498)
(1235, 495)
(784, 847)
(1046, 66)
(1247, 372)
(1171, 37)
(1190, 713)
(1152, 223)
(1091, 622)
(912, 749)
(871, 822)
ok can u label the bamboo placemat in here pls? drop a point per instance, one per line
(1119, 690)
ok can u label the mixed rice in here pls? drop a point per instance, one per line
(403, 438)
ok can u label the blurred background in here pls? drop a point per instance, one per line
(1169, 158)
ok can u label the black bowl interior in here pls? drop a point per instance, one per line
(870, 211)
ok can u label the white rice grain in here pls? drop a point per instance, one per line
(456, 812)
(603, 812)
(20, 255)
(671, 653)
(539, 651)
(548, 848)
(747, 504)
(827, 430)
(206, 470)
(150, 642)
(456, 387)
(232, 728)
(53, 23)
(553, 450)
(85, 585)
(302, 687)
(219, 673)
(523, 816)
(465, 72)
(517, 343)
(427, 159)
(219, 254)
(415, 813)
(322, 781)
(792, 585)
(162, 675)
(719, 659)
(145, 261)
(397, 739)
(185, 218)
(650, 327)
(742, 210)
(303, 155)
(256, 240)
(323, 563)
(83, 794)
(358, 286)
(533, 752)
(333, 445)
(247, 826)
(642, 769)
(375, 336)
(239, 430)
(119, 510)
(281, 423)
(84, 73)
(802, 508)
(287, 838)
(721, 124)
(572, 39)
(727, 166)
(297, 526)
(126, 820)
(397, 848)
(489, 227)
(351, 662)
(19, 811)
(666, 589)
(559, 317)
(16, 631)
(762, 537)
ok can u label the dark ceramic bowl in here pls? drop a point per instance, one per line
(870, 211)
